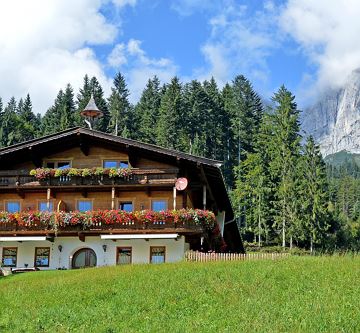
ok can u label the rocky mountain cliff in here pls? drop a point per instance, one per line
(334, 120)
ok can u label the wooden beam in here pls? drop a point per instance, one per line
(81, 236)
(204, 178)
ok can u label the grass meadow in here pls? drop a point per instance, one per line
(297, 294)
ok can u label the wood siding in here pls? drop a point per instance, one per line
(95, 158)
(101, 200)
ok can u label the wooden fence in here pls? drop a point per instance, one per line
(205, 257)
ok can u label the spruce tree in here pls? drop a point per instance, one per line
(283, 165)
(170, 115)
(314, 189)
(147, 111)
(119, 106)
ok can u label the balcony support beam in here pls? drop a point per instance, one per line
(113, 198)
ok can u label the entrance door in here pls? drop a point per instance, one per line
(84, 258)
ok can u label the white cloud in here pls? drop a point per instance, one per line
(46, 44)
(138, 67)
(240, 42)
(327, 31)
(123, 3)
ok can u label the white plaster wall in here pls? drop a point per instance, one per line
(220, 218)
(140, 250)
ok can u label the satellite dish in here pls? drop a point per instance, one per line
(181, 184)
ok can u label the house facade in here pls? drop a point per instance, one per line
(82, 198)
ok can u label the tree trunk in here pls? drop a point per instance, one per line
(259, 226)
(311, 245)
(283, 233)
(291, 242)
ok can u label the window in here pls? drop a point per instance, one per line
(42, 257)
(115, 164)
(43, 206)
(157, 254)
(58, 164)
(127, 206)
(12, 206)
(84, 205)
(9, 256)
(124, 255)
(158, 205)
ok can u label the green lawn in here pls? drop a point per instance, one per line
(299, 294)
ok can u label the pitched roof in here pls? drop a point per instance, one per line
(110, 137)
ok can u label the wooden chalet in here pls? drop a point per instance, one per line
(115, 203)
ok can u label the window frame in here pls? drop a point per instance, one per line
(14, 200)
(56, 161)
(157, 246)
(125, 202)
(16, 256)
(166, 200)
(118, 162)
(35, 256)
(51, 201)
(88, 200)
(118, 248)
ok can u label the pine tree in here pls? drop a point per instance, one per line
(28, 121)
(147, 111)
(10, 124)
(246, 111)
(286, 151)
(171, 110)
(119, 106)
(314, 189)
(216, 122)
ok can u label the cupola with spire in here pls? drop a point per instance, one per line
(91, 112)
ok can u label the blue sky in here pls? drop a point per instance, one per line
(310, 46)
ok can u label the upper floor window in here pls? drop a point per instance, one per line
(9, 256)
(115, 164)
(45, 206)
(127, 206)
(84, 205)
(58, 164)
(158, 205)
(12, 206)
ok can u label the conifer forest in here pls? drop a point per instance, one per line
(283, 193)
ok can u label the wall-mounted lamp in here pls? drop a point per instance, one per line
(104, 247)
(60, 248)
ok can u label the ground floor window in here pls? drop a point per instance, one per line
(124, 255)
(84, 258)
(9, 256)
(42, 257)
(157, 254)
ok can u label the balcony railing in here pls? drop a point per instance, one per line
(193, 219)
(21, 178)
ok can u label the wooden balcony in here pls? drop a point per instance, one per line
(108, 221)
(22, 179)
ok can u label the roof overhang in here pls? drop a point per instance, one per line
(22, 238)
(142, 236)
